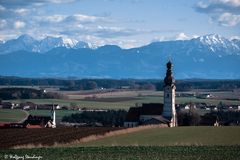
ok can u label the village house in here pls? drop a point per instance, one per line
(7, 105)
(34, 122)
(47, 106)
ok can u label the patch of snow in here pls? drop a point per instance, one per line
(69, 43)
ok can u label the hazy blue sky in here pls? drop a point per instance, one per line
(127, 23)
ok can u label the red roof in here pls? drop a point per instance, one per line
(33, 126)
(2, 124)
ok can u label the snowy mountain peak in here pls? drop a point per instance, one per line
(212, 39)
(69, 43)
(217, 43)
(27, 43)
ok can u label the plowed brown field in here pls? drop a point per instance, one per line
(47, 136)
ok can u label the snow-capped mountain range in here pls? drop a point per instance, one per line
(210, 56)
(219, 43)
(28, 43)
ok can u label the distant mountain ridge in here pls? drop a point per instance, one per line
(28, 43)
(210, 56)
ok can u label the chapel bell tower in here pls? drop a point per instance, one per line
(169, 110)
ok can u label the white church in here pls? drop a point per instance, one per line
(156, 113)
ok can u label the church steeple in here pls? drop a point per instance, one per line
(53, 116)
(169, 80)
(169, 110)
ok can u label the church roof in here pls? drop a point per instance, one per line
(158, 119)
(146, 109)
(133, 114)
(151, 109)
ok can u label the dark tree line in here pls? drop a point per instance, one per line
(192, 118)
(89, 84)
(224, 118)
(108, 118)
(27, 93)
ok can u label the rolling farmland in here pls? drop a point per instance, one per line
(47, 136)
(10, 115)
(181, 143)
(143, 136)
(183, 136)
(123, 102)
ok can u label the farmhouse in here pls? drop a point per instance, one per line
(7, 105)
(34, 122)
(27, 106)
(47, 106)
(156, 113)
(42, 121)
(37, 121)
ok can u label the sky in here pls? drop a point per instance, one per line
(127, 23)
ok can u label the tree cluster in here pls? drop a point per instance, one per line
(107, 118)
(192, 118)
(27, 93)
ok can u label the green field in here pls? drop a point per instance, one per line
(121, 104)
(16, 115)
(129, 153)
(179, 143)
(12, 115)
(173, 137)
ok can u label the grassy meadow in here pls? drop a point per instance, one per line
(111, 100)
(180, 143)
(123, 102)
(177, 136)
(12, 115)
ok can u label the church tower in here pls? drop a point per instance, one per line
(53, 116)
(169, 110)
